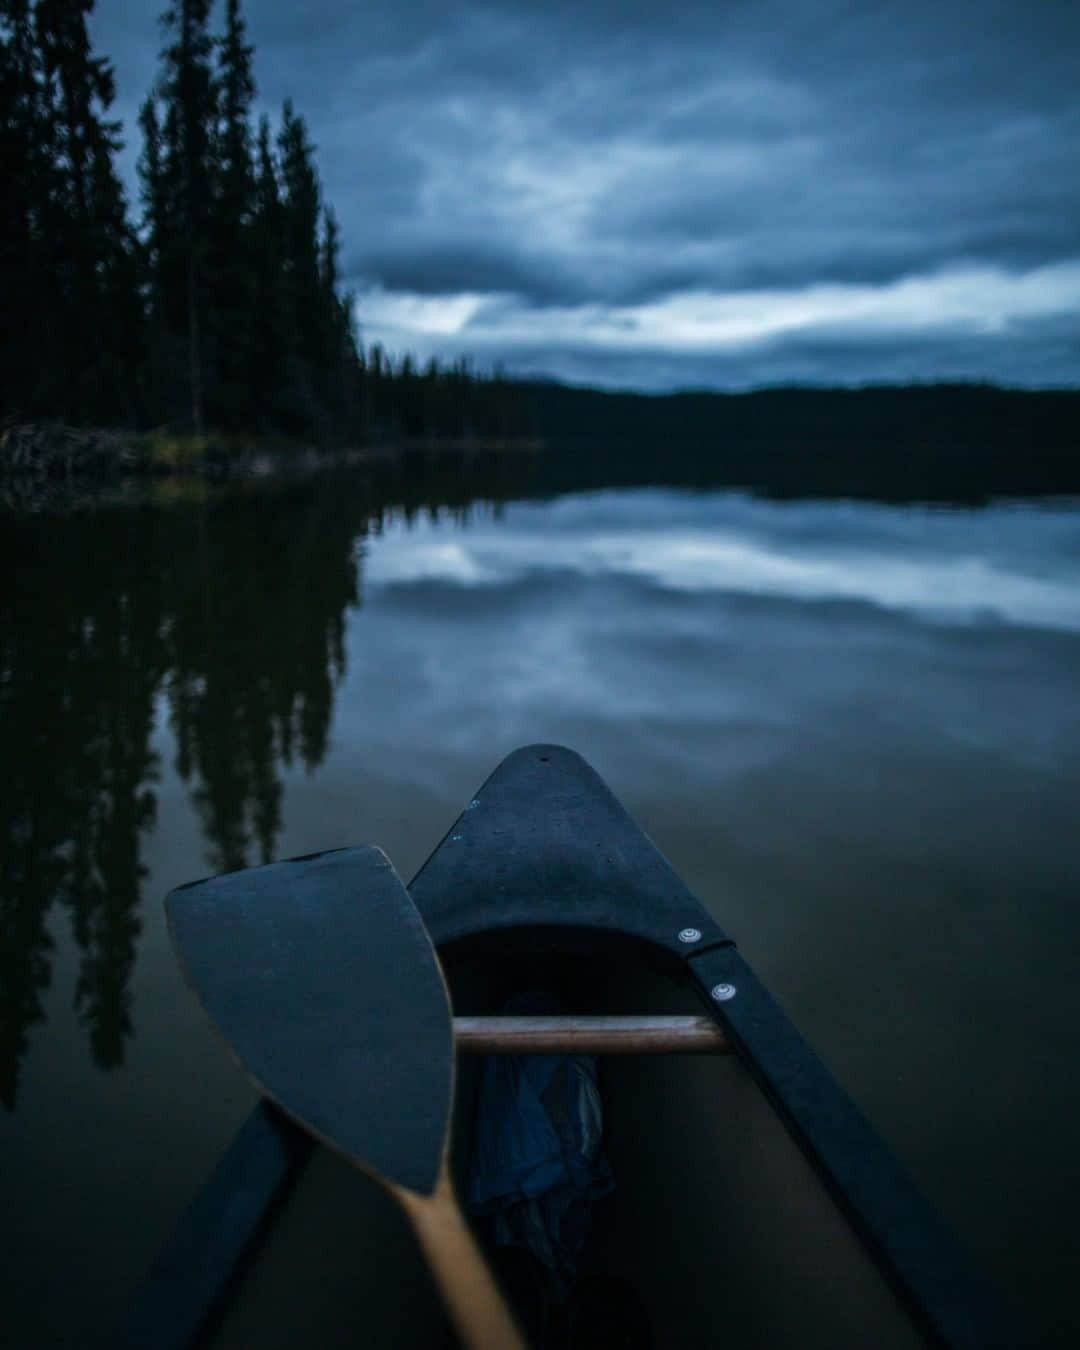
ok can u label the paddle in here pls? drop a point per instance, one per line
(327, 990)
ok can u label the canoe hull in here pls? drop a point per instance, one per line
(754, 1205)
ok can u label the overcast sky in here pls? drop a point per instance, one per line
(718, 194)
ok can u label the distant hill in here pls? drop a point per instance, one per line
(938, 440)
(915, 416)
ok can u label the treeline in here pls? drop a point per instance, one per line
(221, 308)
(936, 441)
(912, 417)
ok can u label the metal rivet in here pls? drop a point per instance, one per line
(722, 992)
(690, 935)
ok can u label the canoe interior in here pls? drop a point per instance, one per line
(717, 1221)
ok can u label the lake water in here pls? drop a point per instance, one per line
(853, 727)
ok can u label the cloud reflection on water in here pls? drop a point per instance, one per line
(953, 567)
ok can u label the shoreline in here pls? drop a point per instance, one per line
(52, 453)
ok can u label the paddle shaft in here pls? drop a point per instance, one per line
(476, 1307)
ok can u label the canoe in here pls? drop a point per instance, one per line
(753, 1204)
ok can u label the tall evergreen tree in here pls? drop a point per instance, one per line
(230, 262)
(66, 264)
(269, 313)
(339, 345)
(91, 286)
(156, 246)
(188, 92)
(21, 164)
(300, 202)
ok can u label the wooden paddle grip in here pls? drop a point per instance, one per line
(476, 1307)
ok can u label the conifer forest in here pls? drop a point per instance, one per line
(213, 304)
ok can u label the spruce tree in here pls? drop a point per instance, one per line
(91, 284)
(304, 361)
(231, 262)
(339, 333)
(156, 245)
(21, 161)
(188, 93)
(270, 337)
(66, 253)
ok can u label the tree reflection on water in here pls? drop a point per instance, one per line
(226, 616)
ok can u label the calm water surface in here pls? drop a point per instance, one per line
(853, 728)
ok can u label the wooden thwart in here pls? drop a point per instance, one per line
(590, 1036)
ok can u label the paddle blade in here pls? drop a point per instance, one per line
(321, 977)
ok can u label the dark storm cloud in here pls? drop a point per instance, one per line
(435, 270)
(583, 165)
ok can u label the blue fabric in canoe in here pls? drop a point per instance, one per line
(538, 1164)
